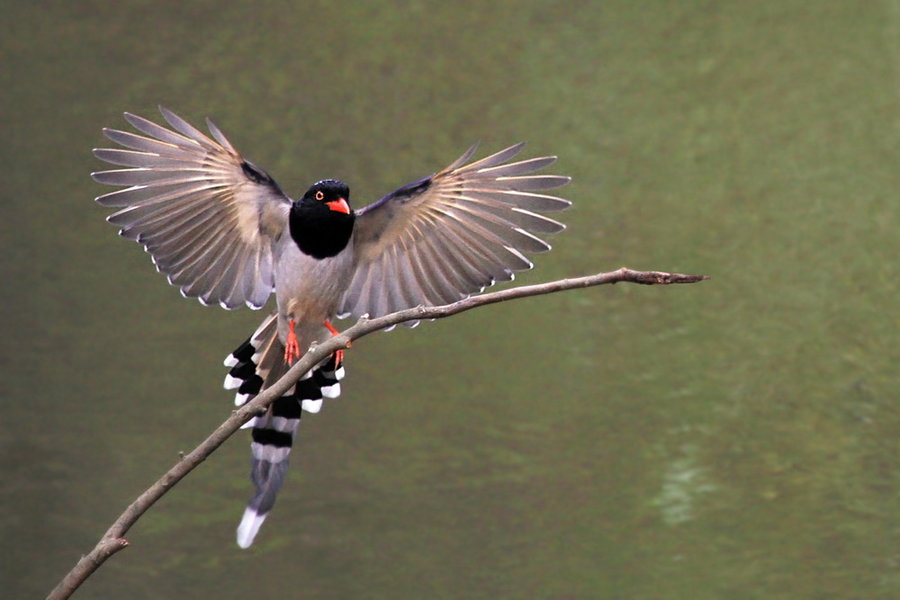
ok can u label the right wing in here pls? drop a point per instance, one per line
(207, 216)
(452, 234)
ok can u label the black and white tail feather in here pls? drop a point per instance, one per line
(255, 365)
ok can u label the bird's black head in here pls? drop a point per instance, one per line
(332, 193)
(321, 222)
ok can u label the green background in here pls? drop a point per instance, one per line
(731, 439)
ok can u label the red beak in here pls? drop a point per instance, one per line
(340, 205)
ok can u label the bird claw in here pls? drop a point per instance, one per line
(338, 354)
(291, 346)
(291, 351)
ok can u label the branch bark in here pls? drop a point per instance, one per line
(113, 540)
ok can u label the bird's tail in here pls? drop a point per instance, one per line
(255, 365)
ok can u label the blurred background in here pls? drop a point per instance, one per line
(731, 439)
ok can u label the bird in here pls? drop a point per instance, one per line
(222, 231)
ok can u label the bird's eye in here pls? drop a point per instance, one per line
(320, 195)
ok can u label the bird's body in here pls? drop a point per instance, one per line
(308, 290)
(222, 231)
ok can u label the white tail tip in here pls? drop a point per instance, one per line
(311, 406)
(249, 527)
(331, 391)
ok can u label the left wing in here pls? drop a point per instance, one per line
(452, 234)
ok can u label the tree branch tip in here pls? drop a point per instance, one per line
(679, 278)
(660, 277)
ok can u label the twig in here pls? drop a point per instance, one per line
(113, 540)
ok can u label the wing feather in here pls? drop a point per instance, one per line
(187, 129)
(219, 136)
(488, 162)
(175, 241)
(496, 259)
(183, 269)
(208, 218)
(521, 199)
(134, 196)
(209, 272)
(145, 144)
(157, 131)
(233, 261)
(436, 271)
(134, 158)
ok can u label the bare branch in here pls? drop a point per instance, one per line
(113, 540)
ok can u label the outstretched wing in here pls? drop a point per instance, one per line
(444, 237)
(207, 216)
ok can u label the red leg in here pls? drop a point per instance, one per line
(291, 345)
(339, 354)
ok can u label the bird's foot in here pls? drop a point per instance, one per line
(291, 346)
(339, 354)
